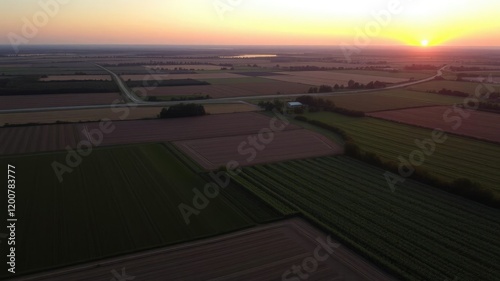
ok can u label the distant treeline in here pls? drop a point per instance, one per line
(323, 68)
(421, 67)
(166, 83)
(29, 85)
(461, 186)
(182, 110)
(153, 62)
(351, 84)
(446, 92)
(320, 104)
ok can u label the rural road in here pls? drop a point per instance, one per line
(134, 101)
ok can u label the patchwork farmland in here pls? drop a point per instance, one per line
(477, 124)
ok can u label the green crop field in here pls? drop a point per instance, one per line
(391, 99)
(416, 232)
(458, 157)
(118, 200)
(466, 87)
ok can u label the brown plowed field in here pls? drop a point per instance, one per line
(261, 253)
(233, 90)
(217, 75)
(479, 124)
(45, 138)
(14, 140)
(76, 77)
(292, 144)
(330, 78)
(40, 101)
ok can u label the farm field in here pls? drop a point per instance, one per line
(494, 80)
(458, 157)
(481, 125)
(391, 99)
(403, 74)
(200, 76)
(417, 232)
(119, 200)
(76, 77)
(278, 246)
(330, 78)
(57, 100)
(232, 90)
(466, 87)
(292, 144)
(93, 115)
(40, 138)
(82, 115)
(184, 66)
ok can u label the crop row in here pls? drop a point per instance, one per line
(417, 232)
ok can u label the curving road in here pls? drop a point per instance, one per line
(134, 101)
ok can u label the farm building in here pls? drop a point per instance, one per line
(294, 104)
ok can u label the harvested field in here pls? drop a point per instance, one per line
(230, 108)
(185, 66)
(274, 249)
(92, 115)
(330, 78)
(182, 76)
(57, 100)
(491, 80)
(462, 86)
(292, 144)
(481, 125)
(76, 77)
(28, 139)
(393, 99)
(82, 115)
(233, 90)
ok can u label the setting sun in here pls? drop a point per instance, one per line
(424, 43)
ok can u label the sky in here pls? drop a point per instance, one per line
(251, 22)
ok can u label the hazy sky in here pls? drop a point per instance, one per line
(274, 22)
